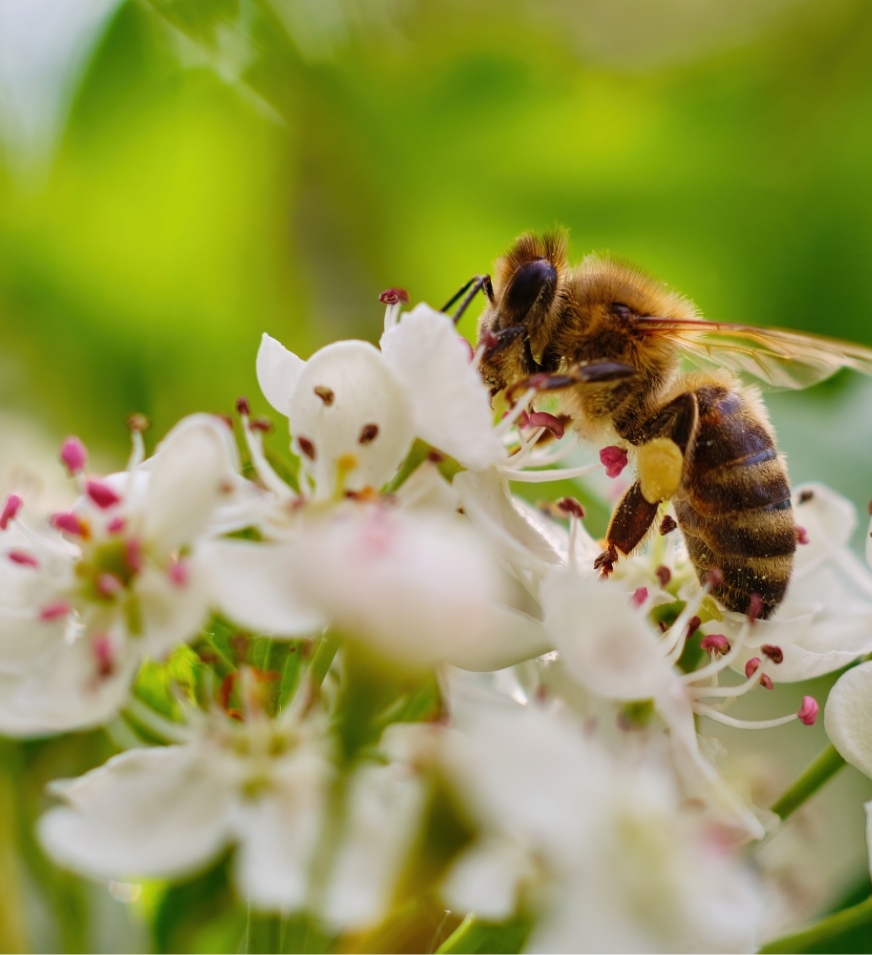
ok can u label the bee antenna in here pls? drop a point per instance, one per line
(472, 288)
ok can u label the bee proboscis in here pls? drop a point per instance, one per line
(612, 340)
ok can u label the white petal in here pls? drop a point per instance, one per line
(151, 812)
(383, 814)
(426, 488)
(511, 638)
(172, 613)
(486, 879)
(605, 642)
(413, 585)
(279, 832)
(278, 371)
(848, 717)
(195, 470)
(249, 583)
(360, 420)
(868, 807)
(450, 403)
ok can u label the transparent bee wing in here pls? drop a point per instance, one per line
(778, 357)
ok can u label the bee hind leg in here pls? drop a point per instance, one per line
(631, 521)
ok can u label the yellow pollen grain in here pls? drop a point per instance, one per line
(659, 463)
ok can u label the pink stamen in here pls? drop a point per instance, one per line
(541, 419)
(10, 510)
(109, 585)
(74, 455)
(178, 573)
(801, 535)
(116, 525)
(393, 296)
(105, 656)
(70, 523)
(715, 643)
(133, 554)
(640, 595)
(808, 711)
(54, 610)
(752, 666)
(614, 460)
(23, 558)
(101, 494)
(775, 654)
(755, 607)
(572, 507)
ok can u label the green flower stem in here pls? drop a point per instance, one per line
(467, 937)
(823, 768)
(161, 727)
(823, 931)
(322, 659)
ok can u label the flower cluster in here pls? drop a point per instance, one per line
(380, 675)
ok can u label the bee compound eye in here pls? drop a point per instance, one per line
(527, 285)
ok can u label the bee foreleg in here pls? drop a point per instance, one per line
(631, 521)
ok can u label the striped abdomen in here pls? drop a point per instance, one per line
(733, 505)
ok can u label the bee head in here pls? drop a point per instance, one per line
(526, 282)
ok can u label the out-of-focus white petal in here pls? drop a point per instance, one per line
(511, 638)
(848, 717)
(278, 833)
(172, 612)
(350, 418)
(450, 403)
(151, 812)
(384, 810)
(487, 877)
(604, 641)
(278, 371)
(63, 691)
(249, 583)
(195, 471)
(414, 586)
(426, 488)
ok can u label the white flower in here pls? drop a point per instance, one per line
(848, 716)
(77, 615)
(598, 847)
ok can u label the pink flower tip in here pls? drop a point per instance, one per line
(74, 455)
(23, 558)
(614, 460)
(801, 535)
(715, 643)
(752, 666)
(11, 507)
(104, 656)
(101, 494)
(393, 296)
(808, 711)
(52, 611)
(109, 585)
(640, 595)
(116, 525)
(178, 573)
(70, 523)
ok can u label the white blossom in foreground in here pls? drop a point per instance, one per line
(598, 848)
(79, 611)
(259, 784)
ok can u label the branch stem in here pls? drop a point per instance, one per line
(820, 771)
(824, 930)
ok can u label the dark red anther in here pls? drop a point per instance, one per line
(307, 447)
(805, 496)
(101, 494)
(104, 656)
(808, 711)
(714, 578)
(692, 626)
(225, 691)
(327, 395)
(775, 654)
(715, 643)
(243, 407)
(368, 434)
(663, 574)
(668, 524)
(613, 459)
(801, 535)
(755, 607)
(11, 507)
(435, 457)
(752, 666)
(541, 419)
(393, 296)
(260, 424)
(571, 507)
(138, 422)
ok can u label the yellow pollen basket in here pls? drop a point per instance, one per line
(659, 464)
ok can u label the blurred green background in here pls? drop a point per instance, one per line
(188, 174)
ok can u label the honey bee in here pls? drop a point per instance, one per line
(609, 341)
